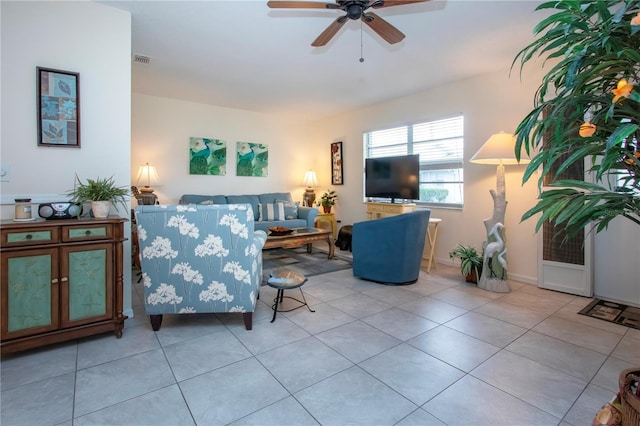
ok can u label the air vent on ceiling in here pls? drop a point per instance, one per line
(141, 59)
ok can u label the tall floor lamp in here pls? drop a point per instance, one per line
(498, 149)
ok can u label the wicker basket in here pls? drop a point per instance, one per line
(630, 401)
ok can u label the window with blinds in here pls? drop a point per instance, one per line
(440, 146)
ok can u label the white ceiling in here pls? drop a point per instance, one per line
(242, 54)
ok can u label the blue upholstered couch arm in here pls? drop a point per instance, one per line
(259, 238)
(309, 214)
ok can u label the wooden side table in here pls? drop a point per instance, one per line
(329, 218)
(432, 237)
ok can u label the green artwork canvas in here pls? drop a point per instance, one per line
(252, 159)
(207, 156)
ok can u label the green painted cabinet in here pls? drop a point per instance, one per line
(59, 281)
(31, 293)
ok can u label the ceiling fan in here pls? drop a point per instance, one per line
(355, 9)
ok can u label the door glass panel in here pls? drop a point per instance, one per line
(554, 249)
(87, 283)
(29, 293)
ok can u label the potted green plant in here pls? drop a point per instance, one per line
(327, 200)
(102, 193)
(470, 262)
(586, 110)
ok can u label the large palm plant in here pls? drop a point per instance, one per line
(593, 48)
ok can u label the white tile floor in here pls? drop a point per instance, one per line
(436, 352)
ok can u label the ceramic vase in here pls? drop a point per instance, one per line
(100, 209)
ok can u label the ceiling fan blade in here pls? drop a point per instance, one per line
(331, 30)
(384, 29)
(301, 5)
(387, 3)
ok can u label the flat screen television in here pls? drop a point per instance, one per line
(393, 177)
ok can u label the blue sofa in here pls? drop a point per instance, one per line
(269, 210)
(199, 258)
(389, 250)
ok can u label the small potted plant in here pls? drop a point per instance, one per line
(102, 193)
(470, 262)
(327, 200)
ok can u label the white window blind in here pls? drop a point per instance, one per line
(440, 145)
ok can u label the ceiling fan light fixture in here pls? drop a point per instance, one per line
(354, 11)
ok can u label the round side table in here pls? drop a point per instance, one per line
(285, 279)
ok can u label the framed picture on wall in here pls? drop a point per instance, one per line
(207, 156)
(252, 159)
(336, 164)
(58, 108)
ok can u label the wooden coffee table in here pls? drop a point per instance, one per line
(300, 236)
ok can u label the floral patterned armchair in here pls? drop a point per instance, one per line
(199, 258)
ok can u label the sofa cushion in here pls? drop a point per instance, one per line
(290, 209)
(271, 211)
(272, 197)
(251, 199)
(203, 199)
(295, 223)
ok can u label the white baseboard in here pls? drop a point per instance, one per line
(512, 276)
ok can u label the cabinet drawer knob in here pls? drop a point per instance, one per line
(87, 232)
(29, 236)
(54, 281)
(64, 279)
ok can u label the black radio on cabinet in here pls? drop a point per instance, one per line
(59, 210)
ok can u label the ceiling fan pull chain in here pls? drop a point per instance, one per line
(361, 56)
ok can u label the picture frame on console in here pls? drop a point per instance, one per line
(58, 105)
(336, 164)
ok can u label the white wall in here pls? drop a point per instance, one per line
(84, 37)
(161, 129)
(490, 103)
(160, 135)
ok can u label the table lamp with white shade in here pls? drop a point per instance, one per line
(498, 150)
(147, 176)
(310, 181)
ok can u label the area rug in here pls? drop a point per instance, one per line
(297, 259)
(613, 312)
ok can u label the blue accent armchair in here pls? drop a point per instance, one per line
(198, 259)
(389, 250)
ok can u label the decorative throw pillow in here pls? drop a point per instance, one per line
(271, 211)
(207, 202)
(290, 209)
